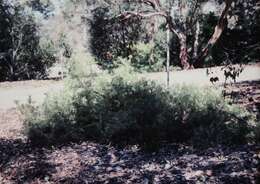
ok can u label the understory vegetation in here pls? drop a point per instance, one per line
(123, 110)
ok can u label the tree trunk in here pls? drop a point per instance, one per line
(206, 50)
(11, 71)
(168, 58)
(196, 41)
(184, 52)
(153, 30)
(216, 35)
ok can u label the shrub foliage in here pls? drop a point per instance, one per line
(140, 112)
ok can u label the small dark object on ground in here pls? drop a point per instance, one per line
(214, 80)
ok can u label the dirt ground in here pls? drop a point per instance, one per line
(11, 124)
(97, 164)
(94, 163)
(13, 92)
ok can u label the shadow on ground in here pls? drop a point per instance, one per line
(95, 163)
(20, 163)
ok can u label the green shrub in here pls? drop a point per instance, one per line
(52, 122)
(123, 111)
(145, 58)
(210, 119)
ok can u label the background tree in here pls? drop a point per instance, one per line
(240, 42)
(21, 55)
(110, 38)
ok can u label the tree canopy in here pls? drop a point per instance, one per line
(199, 28)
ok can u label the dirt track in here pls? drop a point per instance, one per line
(200, 77)
(10, 92)
(90, 163)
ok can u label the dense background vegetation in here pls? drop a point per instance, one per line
(22, 56)
(29, 45)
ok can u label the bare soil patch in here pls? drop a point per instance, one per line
(95, 163)
(11, 124)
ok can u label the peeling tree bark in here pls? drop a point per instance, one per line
(154, 28)
(184, 52)
(184, 58)
(168, 58)
(216, 35)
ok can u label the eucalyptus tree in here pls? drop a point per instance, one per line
(182, 18)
